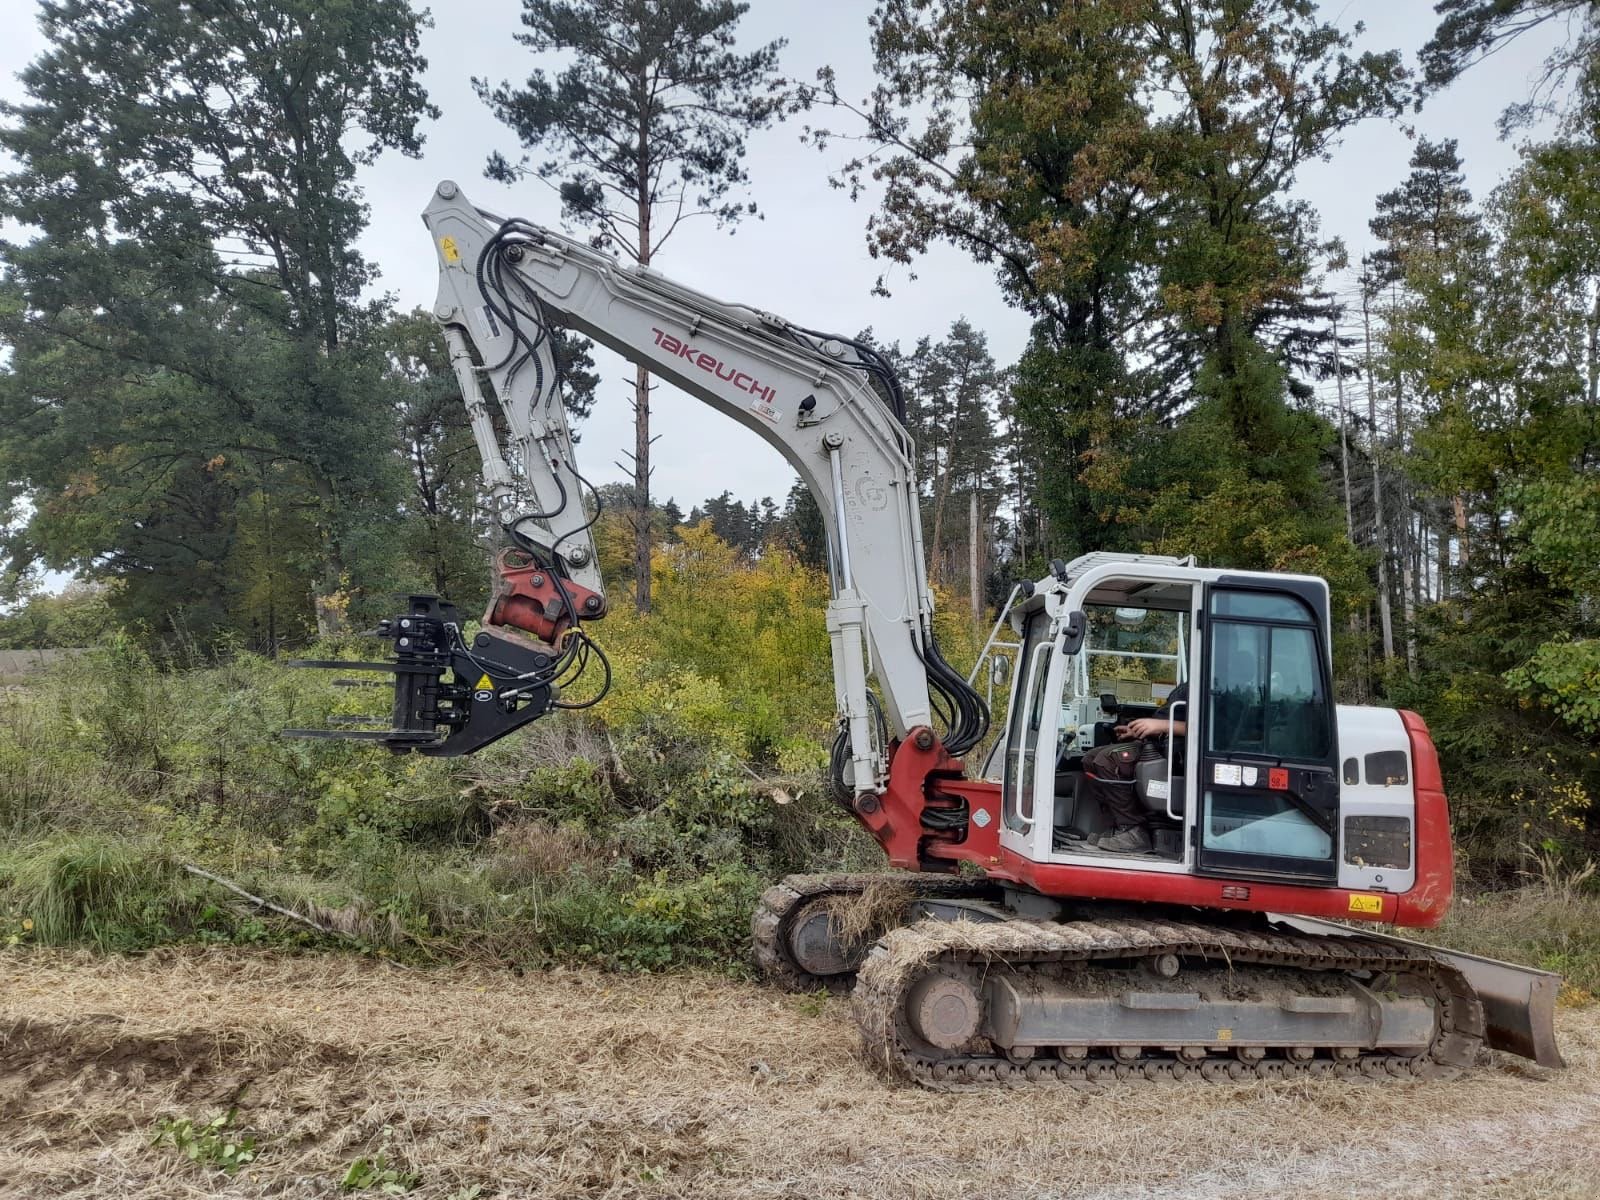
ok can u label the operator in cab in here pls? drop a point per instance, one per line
(1109, 777)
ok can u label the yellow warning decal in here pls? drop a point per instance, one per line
(447, 247)
(1224, 1035)
(485, 684)
(1366, 904)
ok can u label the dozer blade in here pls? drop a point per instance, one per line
(1519, 1003)
(449, 698)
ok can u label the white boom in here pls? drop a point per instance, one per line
(502, 284)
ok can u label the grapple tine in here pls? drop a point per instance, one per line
(449, 699)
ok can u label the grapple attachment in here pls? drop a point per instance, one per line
(449, 698)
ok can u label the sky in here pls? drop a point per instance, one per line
(806, 259)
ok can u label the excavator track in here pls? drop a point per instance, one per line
(1051, 953)
(790, 902)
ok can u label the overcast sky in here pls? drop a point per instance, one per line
(806, 259)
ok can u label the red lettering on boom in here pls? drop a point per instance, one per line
(709, 363)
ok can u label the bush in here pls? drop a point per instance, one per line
(635, 836)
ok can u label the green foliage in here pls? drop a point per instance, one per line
(211, 1144)
(378, 1174)
(79, 615)
(636, 837)
(1564, 676)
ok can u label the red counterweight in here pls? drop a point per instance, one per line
(528, 597)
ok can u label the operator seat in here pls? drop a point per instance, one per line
(1152, 769)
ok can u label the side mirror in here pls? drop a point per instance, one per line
(1077, 626)
(999, 670)
(1108, 703)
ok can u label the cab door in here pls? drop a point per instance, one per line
(1266, 780)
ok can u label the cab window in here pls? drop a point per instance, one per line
(1267, 692)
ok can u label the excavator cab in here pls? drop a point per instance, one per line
(1253, 789)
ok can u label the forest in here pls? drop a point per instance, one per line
(239, 450)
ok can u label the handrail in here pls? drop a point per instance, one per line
(1172, 751)
(1005, 611)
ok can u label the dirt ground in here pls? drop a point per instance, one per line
(576, 1084)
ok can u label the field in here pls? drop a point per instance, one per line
(576, 1083)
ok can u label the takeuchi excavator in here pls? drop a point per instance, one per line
(1288, 831)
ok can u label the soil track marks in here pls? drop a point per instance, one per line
(577, 1084)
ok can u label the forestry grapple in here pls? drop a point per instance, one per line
(1287, 833)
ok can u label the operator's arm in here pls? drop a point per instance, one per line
(1149, 727)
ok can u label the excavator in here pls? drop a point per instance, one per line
(1289, 832)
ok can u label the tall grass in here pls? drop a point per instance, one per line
(1552, 921)
(108, 892)
(635, 838)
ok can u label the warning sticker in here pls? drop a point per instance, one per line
(1366, 904)
(484, 682)
(447, 247)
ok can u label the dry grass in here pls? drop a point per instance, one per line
(577, 1084)
(879, 906)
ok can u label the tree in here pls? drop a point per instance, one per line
(183, 157)
(442, 517)
(1432, 254)
(1124, 165)
(140, 472)
(800, 529)
(78, 615)
(646, 129)
(1260, 89)
(1014, 132)
(1470, 31)
(1502, 341)
(952, 408)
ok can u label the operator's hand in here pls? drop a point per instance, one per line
(1145, 727)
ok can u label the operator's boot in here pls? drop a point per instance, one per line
(1130, 839)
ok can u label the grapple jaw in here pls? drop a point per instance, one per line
(449, 698)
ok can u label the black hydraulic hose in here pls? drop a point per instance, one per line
(875, 365)
(967, 715)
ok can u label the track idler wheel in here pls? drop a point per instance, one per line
(944, 1010)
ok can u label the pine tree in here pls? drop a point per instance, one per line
(646, 126)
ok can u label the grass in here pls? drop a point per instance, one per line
(1553, 922)
(632, 841)
(107, 892)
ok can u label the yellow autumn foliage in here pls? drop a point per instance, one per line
(733, 649)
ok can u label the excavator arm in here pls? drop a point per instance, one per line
(829, 404)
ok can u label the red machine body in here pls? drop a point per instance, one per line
(921, 779)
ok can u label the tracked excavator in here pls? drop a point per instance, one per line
(1290, 833)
